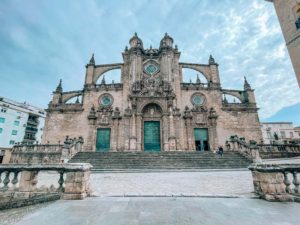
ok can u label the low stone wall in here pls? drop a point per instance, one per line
(276, 182)
(19, 199)
(18, 183)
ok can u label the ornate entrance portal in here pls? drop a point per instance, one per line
(152, 136)
(103, 140)
(152, 118)
(201, 139)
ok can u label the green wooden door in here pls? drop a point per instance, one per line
(103, 140)
(201, 139)
(152, 136)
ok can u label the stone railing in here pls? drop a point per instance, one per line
(279, 148)
(255, 151)
(276, 182)
(250, 151)
(74, 186)
(46, 153)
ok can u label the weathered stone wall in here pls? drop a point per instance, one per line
(288, 12)
(177, 114)
(241, 123)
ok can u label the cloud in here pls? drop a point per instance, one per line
(42, 41)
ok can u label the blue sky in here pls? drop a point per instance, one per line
(42, 41)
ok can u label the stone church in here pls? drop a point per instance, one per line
(152, 109)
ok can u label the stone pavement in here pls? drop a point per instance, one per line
(206, 183)
(167, 210)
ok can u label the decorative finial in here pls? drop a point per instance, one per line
(113, 82)
(77, 100)
(211, 60)
(59, 86)
(150, 46)
(103, 80)
(225, 99)
(176, 47)
(92, 60)
(198, 81)
(135, 34)
(246, 84)
(126, 48)
(166, 34)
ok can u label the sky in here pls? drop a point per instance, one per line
(42, 41)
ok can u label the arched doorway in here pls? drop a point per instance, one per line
(151, 129)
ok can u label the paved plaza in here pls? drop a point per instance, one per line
(183, 198)
(162, 211)
(206, 183)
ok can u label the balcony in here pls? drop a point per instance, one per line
(31, 129)
(33, 122)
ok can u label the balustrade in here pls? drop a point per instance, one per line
(277, 182)
(75, 186)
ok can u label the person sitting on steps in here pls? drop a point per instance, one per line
(220, 151)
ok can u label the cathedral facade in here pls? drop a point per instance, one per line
(152, 109)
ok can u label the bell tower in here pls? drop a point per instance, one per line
(288, 12)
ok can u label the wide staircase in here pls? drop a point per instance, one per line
(150, 161)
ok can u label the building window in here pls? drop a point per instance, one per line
(1, 130)
(11, 142)
(269, 135)
(2, 120)
(282, 133)
(14, 132)
(291, 134)
(16, 123)
(3, 110)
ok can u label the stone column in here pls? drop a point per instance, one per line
(165, 129)
(185, 137)
(139, 131)
(190, 135)
(114, 136)
(91, 142)
(133, 133)
(172, 137)
(213, 129)
(120, 145)
(126, 133)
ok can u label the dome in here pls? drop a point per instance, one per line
(167, 41)
(135, 41)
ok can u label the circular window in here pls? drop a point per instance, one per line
(106, 100)
(198, 99)
(151, 69)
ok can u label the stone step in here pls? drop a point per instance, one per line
(114, 161)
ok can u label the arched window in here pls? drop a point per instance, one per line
(110, 77)
(230, 99)
(193, 76)
(74, 100)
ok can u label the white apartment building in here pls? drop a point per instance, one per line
(278, 132)
(20, 123)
